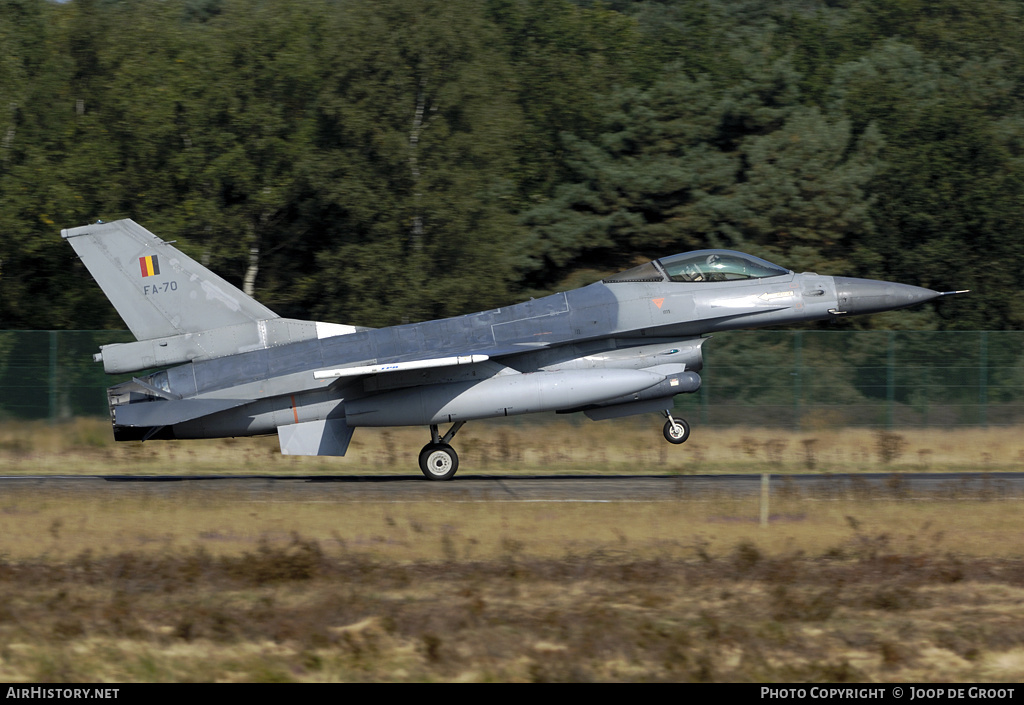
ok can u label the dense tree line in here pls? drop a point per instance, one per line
(384, 162)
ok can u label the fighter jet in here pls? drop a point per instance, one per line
(625, 345)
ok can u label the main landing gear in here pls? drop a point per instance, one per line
(438, 460)
(676, 430)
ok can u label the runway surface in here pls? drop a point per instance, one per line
(553, 488)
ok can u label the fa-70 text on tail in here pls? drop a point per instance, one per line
(625, 345)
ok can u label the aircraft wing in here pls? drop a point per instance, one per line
(170, 411)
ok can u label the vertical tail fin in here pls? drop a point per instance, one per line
(158, 290)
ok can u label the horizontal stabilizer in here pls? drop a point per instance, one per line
(327, 437)
(168, 413)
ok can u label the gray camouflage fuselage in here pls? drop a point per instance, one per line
(601, 326)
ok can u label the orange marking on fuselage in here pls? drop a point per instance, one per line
(658, 302)
(295, 412)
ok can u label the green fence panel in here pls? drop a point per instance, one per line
(51, 374)
(820, 379)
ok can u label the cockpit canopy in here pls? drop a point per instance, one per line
(701, 266)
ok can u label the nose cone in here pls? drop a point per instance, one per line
(856, 296)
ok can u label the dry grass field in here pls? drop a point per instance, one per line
(193, 585)
(551, 445)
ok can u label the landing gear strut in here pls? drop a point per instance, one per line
(438, 460)
(676, 430)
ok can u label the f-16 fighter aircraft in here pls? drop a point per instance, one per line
(625, 345)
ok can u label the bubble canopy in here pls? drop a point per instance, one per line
(718, 265)
(702, 266)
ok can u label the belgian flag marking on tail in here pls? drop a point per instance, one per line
(150, 265)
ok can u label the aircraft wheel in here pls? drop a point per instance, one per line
(676, 431)
(438, 461)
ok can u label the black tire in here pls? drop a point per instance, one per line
(438, 461)
(678, 432)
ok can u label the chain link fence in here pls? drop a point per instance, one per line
(801, 380)
(51, 374)
(806, 380)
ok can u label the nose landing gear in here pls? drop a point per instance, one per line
(676, 430)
